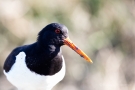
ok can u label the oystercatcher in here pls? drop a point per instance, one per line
(40, 66)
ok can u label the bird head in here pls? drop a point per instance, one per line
(57, 34)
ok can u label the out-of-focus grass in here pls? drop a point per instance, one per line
(104, 29)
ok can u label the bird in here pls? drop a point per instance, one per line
(40, 65)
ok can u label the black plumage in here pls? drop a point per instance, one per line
(44, 56)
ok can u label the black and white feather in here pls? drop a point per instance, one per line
(38, 66)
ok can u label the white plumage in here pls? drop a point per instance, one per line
(24, 79)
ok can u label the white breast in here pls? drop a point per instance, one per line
(24, 79)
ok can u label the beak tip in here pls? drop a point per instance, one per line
(91, 62)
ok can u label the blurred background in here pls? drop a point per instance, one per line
(103, 29)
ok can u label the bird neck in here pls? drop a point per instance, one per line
(40, 57)
(48, 49)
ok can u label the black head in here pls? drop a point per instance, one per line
(53, 33)
(56, 34)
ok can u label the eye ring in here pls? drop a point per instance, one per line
(57, 31)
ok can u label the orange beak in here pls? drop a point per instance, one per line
(69, 43)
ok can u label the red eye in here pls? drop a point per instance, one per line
(57, 31)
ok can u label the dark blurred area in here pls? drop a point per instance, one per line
(103, 29)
